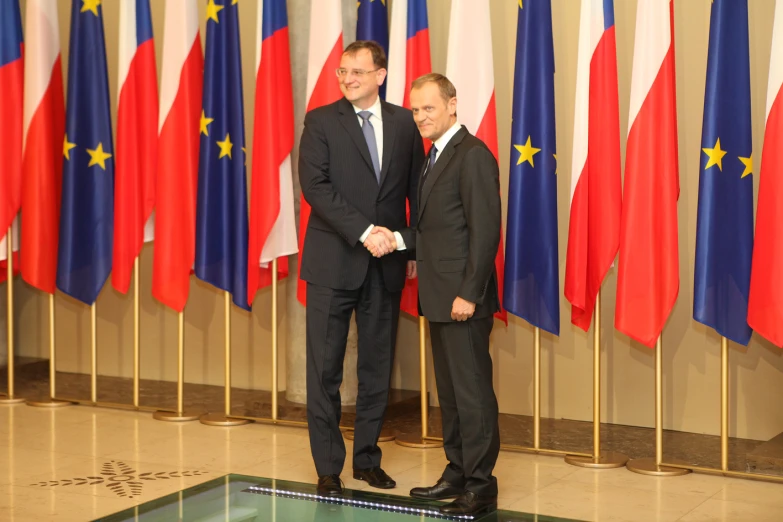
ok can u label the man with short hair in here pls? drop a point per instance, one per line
(358, 164)
(458, 234)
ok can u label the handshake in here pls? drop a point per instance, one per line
(380, 241)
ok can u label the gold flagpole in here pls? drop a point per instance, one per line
(653, 466)
(10, 398)
(412, 440)
(180, 415)
(136, 333)
(225, 419)
(724, 403)
(51, 402)
(536, 388)
(607, 459)
(93, 355)
(275, 382)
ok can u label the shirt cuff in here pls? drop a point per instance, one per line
(400, 242)
(363, 237)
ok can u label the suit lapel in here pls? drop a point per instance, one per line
(440, 166)
(350, 121)
(389, 132)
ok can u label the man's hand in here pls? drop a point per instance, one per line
(380, 242)
(462, 310)
(410, 271)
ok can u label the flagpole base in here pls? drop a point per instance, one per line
(606, 460)
(386, 435)
(220, 419)
(414, 440)
(648, 466)
(49, 403)
(174, 416)
(6, 400)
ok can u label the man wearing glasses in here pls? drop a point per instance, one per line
(359, 162)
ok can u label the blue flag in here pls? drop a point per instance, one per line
(372, 23)
(221, 208)
(531, 286)
(724, 227)
(84, 257)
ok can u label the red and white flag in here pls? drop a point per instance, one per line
(469, 67)
(409, 58)
(765, 304)
(137, 140)
(648, 272)
(596, 186)
(44, 129)
(11, 102)
(178, 150)
(323, 59)
(272, 223)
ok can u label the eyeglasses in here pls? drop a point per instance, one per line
(359, 73)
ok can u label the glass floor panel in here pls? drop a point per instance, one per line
(240, 498)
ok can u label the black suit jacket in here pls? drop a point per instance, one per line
(458, 231)
(338, 181)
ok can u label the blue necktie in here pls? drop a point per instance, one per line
(431, 163)
(369, 136)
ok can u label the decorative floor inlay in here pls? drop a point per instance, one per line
(120, 479)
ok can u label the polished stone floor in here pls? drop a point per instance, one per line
(80, 463)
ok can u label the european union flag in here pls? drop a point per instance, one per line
(84, 255)
(221, 207)
(372, 23)
(531, 287)
(724, 227)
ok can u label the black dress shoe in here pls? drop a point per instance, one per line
(470, 503)
(375, 477)
(330, 486)
(439, 491)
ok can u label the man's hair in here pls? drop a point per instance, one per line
(378, 56)
(447, 89)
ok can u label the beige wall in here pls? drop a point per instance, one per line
(691, 354)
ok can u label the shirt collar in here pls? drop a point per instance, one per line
(444, 140)
(375, 109)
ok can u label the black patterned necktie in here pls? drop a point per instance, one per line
(431, 163)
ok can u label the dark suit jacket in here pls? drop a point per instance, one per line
(458, 231)
(338, 181)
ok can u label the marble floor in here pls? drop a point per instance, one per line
(80, 463)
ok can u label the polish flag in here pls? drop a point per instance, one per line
(765, 305)
(272, 222)
(469, 67)
(648, 278)
(44, 129)
(137, 140)
(596, 189)
(178, 150)
(325, 51)
(11, 102)
(409, 58)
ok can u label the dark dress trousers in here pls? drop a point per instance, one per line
(338, 180)
(458, 233)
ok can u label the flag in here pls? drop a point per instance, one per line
(11, 103)
(87, 212)
(532, 285)
(724, 226)
(469, 67)
(647, 277)
(272, 222)
(221, 204)
(323, 59)
(596, 187)
(44, 128)
(178, 150)
(372, 23)
(409, 58)
(765, 305)
(137, 139)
